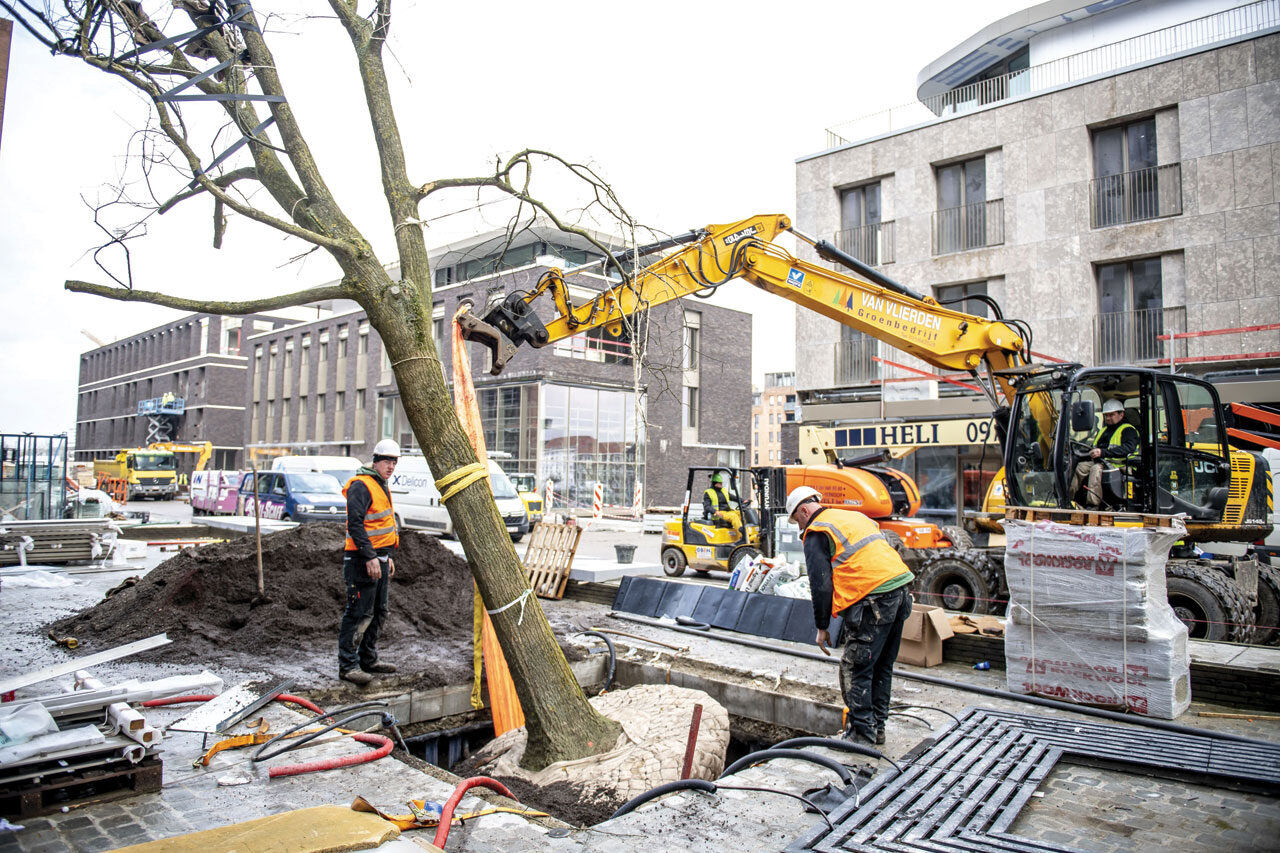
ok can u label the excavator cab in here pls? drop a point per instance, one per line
(1181, 465)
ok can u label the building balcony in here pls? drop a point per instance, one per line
(872, 244)
(855, 361)
(969, 226)
(1135, 337)
(1136, 196)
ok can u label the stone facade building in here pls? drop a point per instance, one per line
(1108, 173)
(567, 412)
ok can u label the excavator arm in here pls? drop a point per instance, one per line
(870, 303)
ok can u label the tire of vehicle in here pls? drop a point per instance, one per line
(673, 562)
(285, 517)
(959, 537)
(516, 537)
(1267, 613)
(948, 579)
(737, 555)
(1208, 603)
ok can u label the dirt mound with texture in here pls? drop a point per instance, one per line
(203, 599)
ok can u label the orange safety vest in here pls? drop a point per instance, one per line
(863, 560)
(380, 520)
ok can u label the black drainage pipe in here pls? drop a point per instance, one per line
(613, 658)
(835, 743)
(653, 793)
(960, 685)
(795, 755)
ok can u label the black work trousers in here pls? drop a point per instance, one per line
(872, 630)
(366, 609)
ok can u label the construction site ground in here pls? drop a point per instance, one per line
(1081, 807)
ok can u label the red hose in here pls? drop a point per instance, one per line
(446, 814)
(298, 700)
(383, 743)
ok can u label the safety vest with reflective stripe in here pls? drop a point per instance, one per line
(715, 499)
(863, 558)
(380, 520)
(1115, 439)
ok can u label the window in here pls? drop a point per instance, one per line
(362, 346)
(947, 293)
(960, 222)
(689, 405)
(324, 350)
(232, 344)
(855, 357)
(342, 347)
(444, 276)
(340, 400)
(860, 226)
(1126, 179)
(320, 404)
(387, 417)
(757, 422)
(1130, 312)
(360, 400)
(692, 339)
(288, 354)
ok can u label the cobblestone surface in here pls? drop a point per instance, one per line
(1102, 811)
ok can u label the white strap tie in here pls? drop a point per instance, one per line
(520, 599)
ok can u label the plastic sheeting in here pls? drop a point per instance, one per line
(1089, 619)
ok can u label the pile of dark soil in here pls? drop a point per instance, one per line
(203, 597)
(565, 800)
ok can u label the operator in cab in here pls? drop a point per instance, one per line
(716, 499)
(1117, 442)
(854, 573)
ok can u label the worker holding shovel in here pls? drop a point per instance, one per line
(367, 566)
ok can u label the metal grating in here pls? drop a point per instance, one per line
(964, 790)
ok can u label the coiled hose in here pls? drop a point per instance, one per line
(613, 659)
(361, 709)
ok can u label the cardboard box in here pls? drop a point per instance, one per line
(922, 636)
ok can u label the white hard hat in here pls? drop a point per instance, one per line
(387, 447)
(1112, 406)
(799, 495)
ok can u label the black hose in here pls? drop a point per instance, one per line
(692, 623)
(808, 802)
(653, 793)
(835, 743)
(897, 705)
(370, 708)
(613, 658)
(795, 755)
(972, 688)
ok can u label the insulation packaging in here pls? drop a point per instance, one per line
(1089, 619)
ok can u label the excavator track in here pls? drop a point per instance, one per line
(1267, 612)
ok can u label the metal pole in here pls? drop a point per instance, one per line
(257, 529)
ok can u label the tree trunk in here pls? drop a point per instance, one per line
(562, 725)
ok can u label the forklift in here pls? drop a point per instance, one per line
(733, 535)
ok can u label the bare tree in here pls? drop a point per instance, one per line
(224, 67)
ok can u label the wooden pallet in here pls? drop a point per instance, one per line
(50, 792)
(1091, 517)
(550, 556)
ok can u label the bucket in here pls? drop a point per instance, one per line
(625, 552)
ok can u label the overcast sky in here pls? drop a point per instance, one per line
(694, 111)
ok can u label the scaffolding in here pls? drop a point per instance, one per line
(33, 476)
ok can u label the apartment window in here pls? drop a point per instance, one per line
(1130, 312)
(689, 406)
(362, 346)
(1129, 185)
(288, 354)
(437, 333)
(955, 296)
(324, 350)
(320, 404)
(961, 220)
(862, 233)
(360, 400)
(340, 400)
(757, 422)
(342, 347)
(692, 339)
(855, 357)
(444, 276)
(232, 346)
(387, 417)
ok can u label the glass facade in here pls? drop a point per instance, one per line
(591, 435)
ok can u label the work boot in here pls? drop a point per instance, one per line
(879, 735)
(855, 736)
(380, 667)
(356, 676)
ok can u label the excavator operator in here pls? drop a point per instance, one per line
(1117, 442)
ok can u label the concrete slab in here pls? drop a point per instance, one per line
(596, 570)
(1218, 653)
(243, 523)
(1258, 657)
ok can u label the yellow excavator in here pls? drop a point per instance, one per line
(1044, 414)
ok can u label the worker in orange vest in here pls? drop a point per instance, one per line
(854, 573)
(367, 566)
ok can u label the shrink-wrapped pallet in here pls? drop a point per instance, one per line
(1089, 619)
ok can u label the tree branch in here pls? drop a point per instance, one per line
(204, 306)
(223, 181)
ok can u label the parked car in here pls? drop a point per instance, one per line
(294, 496)
(417, 500)
(341, 468)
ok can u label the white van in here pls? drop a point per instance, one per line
(341, 468)
(417, 501)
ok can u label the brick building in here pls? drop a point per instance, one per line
(195, 359)
(772, 407)
(1103, 171)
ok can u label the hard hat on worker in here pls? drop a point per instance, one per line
(717, 477)
(1112, 406)
(800, 495)
(387, 448)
